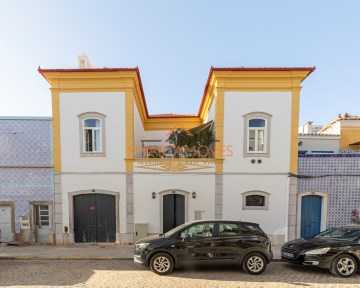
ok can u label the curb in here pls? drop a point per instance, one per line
(61, 258)
(78, 258)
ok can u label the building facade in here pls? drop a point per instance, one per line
(26, 179)
(118, 178)
(329, 176)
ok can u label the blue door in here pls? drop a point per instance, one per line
(310, 215)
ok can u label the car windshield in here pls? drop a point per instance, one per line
(346, 233)
(175, 230)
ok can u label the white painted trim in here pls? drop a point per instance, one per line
(324, 208)
(161, 194)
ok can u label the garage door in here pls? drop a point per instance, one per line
(94, 218)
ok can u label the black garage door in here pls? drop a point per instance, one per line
(94, 218)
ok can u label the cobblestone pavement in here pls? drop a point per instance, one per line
(124, 273)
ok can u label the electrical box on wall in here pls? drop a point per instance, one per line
(140, 231)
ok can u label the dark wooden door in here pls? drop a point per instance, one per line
(94, 218)
(173, 211)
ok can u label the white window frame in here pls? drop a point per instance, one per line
(255, 192)
(257, 115)
(92, 115)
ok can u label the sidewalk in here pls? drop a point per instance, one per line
(94, 251)
(70, 252)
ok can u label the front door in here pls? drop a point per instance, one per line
(310, 215)
(196, 244)
(173, 211)
(5, 224)
(94, 218)
(42, 223)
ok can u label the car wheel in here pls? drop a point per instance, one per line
(343, 266)
(254, 263)
(161, 263)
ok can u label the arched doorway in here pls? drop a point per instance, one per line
(173, 211)
(311, 206)
(94, 218)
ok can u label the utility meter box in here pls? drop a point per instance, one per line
(24, 222)
(140, 231)
(25, 232)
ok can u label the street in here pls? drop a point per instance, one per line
(123, 273)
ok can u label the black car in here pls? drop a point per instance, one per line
(337, 249)
(206, 242)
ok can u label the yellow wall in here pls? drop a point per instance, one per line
(349, 135)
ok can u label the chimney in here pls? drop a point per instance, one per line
(84, 62)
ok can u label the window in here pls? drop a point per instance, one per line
(92, 134)
(250, 229)
(229, 229)
(42, 215)
(255, 200)
(257, 134)
(199, 230)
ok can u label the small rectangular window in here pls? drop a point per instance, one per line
(255, 200)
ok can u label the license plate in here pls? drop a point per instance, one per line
(288, 255)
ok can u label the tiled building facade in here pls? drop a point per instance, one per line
(26, 177)
(339, 177)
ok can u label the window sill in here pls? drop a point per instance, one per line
(255, 208)
(92, 154)
(257, 154)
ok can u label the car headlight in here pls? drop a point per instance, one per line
(142, 245)
(318, 251)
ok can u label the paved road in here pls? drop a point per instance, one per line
(123, 273)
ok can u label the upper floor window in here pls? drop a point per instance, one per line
(257, 134)
(92, 134)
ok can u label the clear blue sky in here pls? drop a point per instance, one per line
(174, 43)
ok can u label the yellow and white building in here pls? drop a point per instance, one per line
(108, 190)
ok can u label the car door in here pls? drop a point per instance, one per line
(195, 244)
(229, 244)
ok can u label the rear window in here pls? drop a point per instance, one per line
(229, 229)
(347, 233)
(250, 229)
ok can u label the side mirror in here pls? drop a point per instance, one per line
(185, 238)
